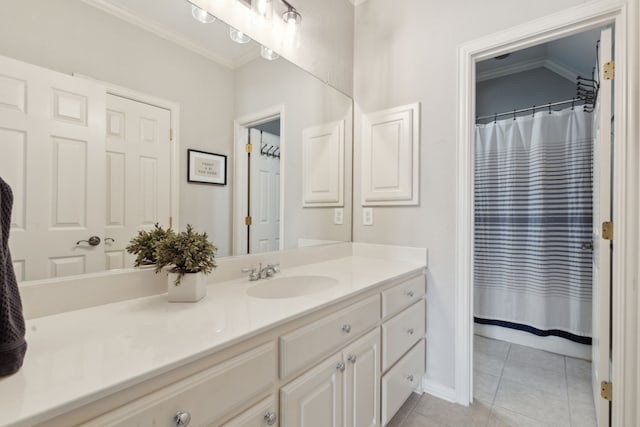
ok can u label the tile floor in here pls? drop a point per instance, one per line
(514, 386)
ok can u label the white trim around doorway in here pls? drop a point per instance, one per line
(240, 173)
(587, 16)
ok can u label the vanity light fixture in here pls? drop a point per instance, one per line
(264, 8)
(291, 16)
(238, 36)
(201, 15)
(268, 54)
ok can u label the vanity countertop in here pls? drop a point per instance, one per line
(77, 357)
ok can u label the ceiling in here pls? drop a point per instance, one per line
(172, 20)
(569, 57)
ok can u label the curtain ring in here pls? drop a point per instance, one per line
(549, 108)
(514, 114)
(573, 103)
(495, 117)
(534, 111)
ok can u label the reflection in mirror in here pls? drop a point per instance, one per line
(99, 103)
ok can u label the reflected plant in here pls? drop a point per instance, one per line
(145, 244)
(186, 252)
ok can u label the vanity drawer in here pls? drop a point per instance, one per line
(259, 415)
(402, 295)
(208, 396)
(402, 380)
(401, 332)
(300, 348)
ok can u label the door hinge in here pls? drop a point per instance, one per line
(606, 390)
(607, 230)
(247, 220)
(249, 148)
(170, 134)
(609, 70)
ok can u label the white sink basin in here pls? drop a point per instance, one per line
(290, 287)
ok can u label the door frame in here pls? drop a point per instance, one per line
(240, 173)
(174, 109)
(625, 204)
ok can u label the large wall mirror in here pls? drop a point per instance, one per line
(119, 114)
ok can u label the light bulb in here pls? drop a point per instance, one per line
(268, 54)
(264, 8)
(238, 36)
(202, 15)
(292, 17)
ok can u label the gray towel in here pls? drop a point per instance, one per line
(12, 344)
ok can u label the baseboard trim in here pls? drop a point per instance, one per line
(439, 390)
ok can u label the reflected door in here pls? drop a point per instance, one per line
(52, 155)
(138, 174)
(264, 193)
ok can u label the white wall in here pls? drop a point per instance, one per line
(405, 51)
(522, 90)
(323, 46)
(71, 37)
(307, 102)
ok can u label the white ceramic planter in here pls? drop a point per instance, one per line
(192, 287)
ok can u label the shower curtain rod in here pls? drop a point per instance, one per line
(535, 108)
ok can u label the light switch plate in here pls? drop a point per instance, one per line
(338, 216)
(367, 216)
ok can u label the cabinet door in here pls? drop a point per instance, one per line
(361, 380)
(315, 398)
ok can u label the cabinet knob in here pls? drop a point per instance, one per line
(346, 328)
(352, 358)
(410, 378)
(410, 294)
(340, 367)
(182, 418)
(270, 418)
(410, 331)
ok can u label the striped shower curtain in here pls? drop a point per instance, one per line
(533, 214)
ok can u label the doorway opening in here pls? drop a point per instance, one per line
(541, 269)
(258, 198)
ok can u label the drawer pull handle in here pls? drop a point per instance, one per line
(410, 294)
(340, 367)
(410, 331)
(410, 378)
(352, 358)
(270, 418)
(182, 418)
(346, 328)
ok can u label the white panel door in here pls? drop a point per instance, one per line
(390, 156)
(52, 145)
(362, 379)
(601, 354)
(138, 174)
(315, 398)
(323, 165)
(265, 194)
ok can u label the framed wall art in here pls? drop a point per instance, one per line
(206, 168)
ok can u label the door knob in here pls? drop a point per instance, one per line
(340, 367)
(587, 246)
(352, 358)
(346, 328)
(109, 240)
(93, 241)
(410, 294)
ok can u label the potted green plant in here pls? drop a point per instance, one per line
(188, 257)
(145, 244)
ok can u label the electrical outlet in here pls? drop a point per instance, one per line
(367, 216)
(338, 216)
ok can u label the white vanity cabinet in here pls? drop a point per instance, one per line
(340, 391)
(203, 398)
(403, 343)
(262, 414)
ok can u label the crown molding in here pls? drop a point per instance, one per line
(357, 2)
(561, 69)
(245, 58)
(159, 30)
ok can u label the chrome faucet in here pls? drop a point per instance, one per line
(257, 273)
